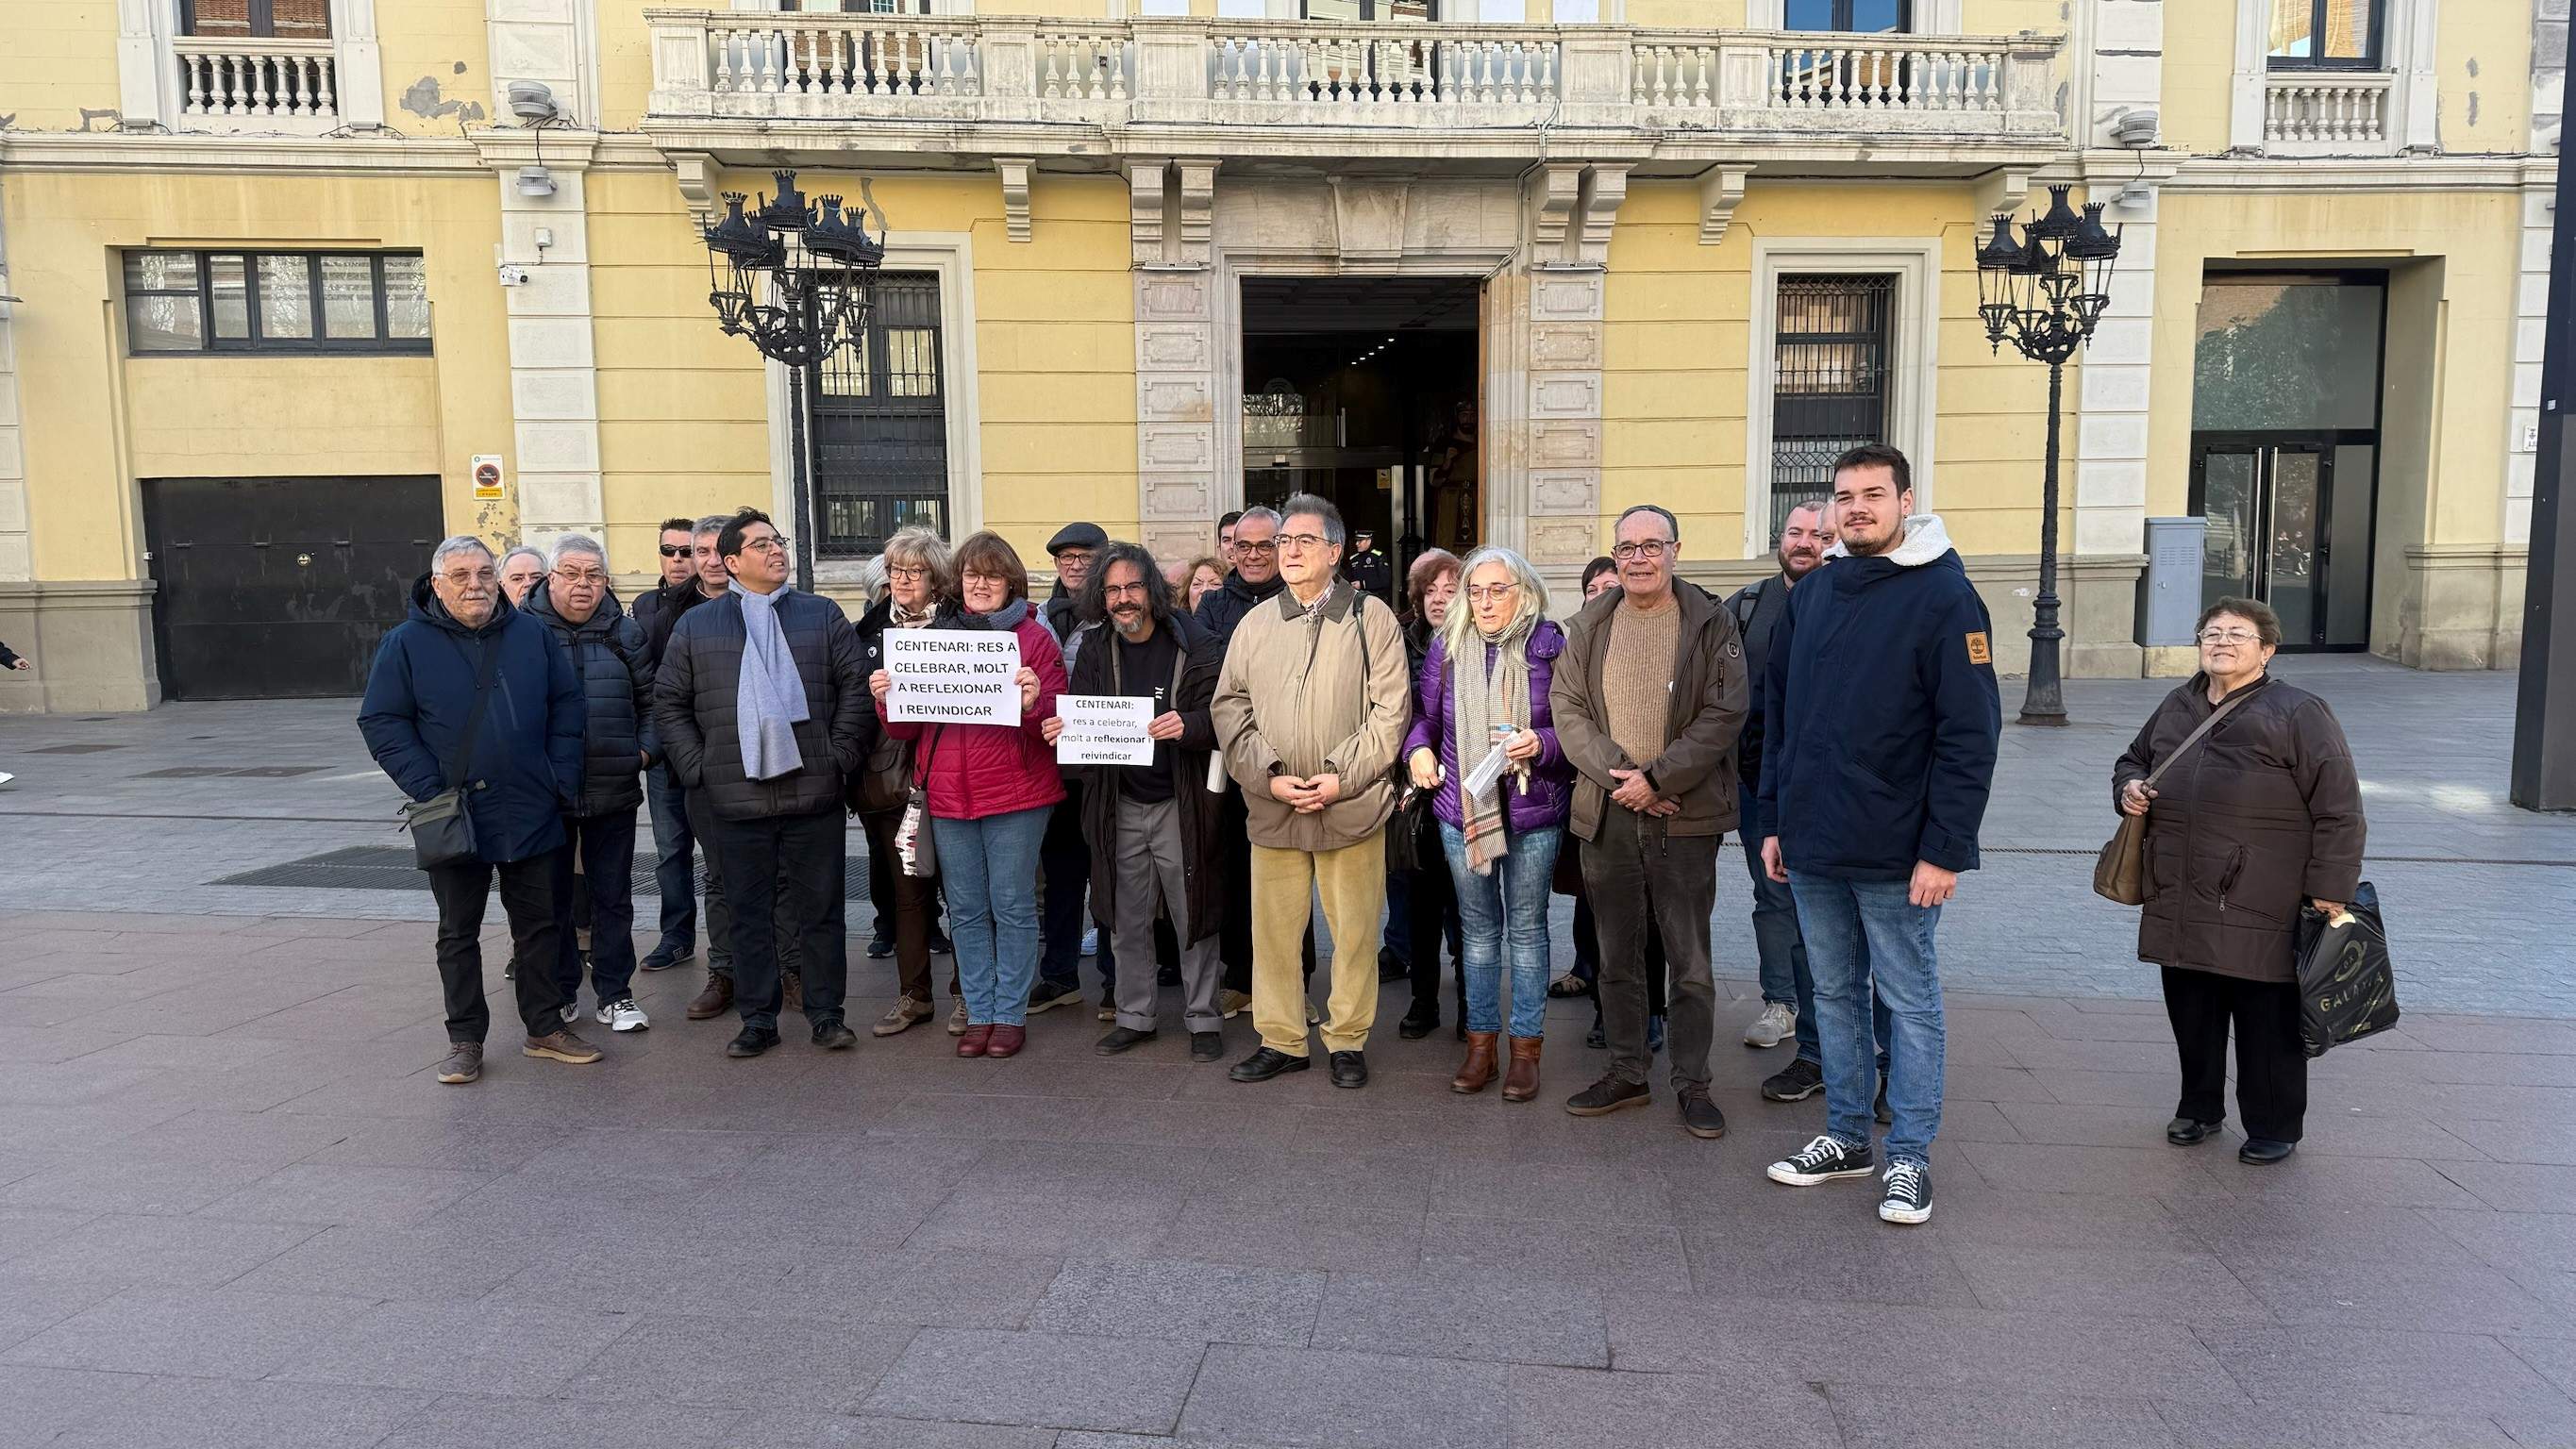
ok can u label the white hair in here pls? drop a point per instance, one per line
(1459, 628)
(578, 543)
(461, 543)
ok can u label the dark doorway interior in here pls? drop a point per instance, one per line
(276, 588)
(1364, 390)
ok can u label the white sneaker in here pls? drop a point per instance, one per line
(623, 1015)
(1777, 1023)
(572, 1012)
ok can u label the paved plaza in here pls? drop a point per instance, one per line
(235, 1208)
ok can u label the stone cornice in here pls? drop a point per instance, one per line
(2367, 173)
(478, 153)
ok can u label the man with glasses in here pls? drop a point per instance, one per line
(1883, 720)
(674, 878)
(1310, 707)
(1649, 698)
(1064, 862)
(1251, 544)
(465, 653)
(607, 650)
(763, 705)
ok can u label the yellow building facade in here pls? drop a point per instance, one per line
(296, 287)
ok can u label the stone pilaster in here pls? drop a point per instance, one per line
(1571, 209)
(554, 386)
(1176, 355)
(16, 562)
(2530, 332)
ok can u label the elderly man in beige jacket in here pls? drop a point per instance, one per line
(1310, 708)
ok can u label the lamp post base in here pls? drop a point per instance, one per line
(2044, 702)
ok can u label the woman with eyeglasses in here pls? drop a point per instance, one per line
(991, 788)
(2259, 818)
(920, 594)
(1482, 688)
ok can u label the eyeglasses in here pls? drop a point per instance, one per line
(2228, 636)
(1256, 545)
(581, 576)
(907, 573)
(1645, 548)
(1300, 542)
(1490, 593)
(478, 576)
(675, 550)
(1120, 591)
(767, 543)
(990, 581)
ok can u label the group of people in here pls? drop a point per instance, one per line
(1461, 764)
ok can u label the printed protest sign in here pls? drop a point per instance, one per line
(1104, 729)
(952, 676)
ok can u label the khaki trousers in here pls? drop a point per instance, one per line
(1352, 882)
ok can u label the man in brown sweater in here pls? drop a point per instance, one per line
(1649, 699)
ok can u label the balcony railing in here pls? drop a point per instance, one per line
(255, 79)
(2326, 111)
(719, 65)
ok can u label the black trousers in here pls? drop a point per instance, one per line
(2271, 1070)
(702, 823)
(1064, 859)
(910, 906)
(1431, 916)
(528, 896)
(782, 876)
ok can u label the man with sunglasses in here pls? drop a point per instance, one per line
(655, 613)
(1649, 698)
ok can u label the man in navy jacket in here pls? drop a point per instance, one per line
(1882, 720)
(525, 772)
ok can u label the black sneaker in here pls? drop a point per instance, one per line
(751, 1041)
(834, 1035)
(1795, 1082)
(1206, 1046)
(1417, 1025)
(1879, 1108)
(1607, 1096)
(1048, 995)
(1822, 1160)
(880, 946)
(1909, 1192)
(663, 958)
(1122, 1039)
(1392, 967)
(1700, 1117)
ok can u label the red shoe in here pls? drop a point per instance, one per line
(976, 1041)
(1007, 1041)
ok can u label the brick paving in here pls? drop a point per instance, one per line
(234, 1209)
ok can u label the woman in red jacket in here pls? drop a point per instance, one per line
(991, 788)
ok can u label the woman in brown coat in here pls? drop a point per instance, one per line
(2260, 818)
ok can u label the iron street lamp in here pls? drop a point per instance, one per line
(798, 279)
(2044, 292)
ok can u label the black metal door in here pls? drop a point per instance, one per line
(880, 421)
(272, 588)
(2271, 507)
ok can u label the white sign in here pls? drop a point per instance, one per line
(1104, 729)
(487, 477)
(952, 676)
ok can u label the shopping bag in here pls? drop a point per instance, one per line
(2347, 984)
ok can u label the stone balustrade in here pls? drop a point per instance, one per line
(2340, 111)
(263, 79)
(713, 66)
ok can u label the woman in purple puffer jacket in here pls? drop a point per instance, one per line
(1483, 687)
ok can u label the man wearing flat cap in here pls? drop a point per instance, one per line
(1064, 859)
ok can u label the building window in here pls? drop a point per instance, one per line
(881, 425)
(207, 301)
(256, 19)
(1830, 355)
(2324, 35)
(1858, 17)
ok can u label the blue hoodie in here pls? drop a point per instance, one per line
(527, 763)
(1882, 715)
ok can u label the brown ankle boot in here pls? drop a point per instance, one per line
(714, 1000)
(1478, 1069)
(1521, 1082)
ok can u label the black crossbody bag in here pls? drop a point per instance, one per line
(442, 833)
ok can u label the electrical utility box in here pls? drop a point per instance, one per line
(2169, 592)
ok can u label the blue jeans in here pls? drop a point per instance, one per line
(990, 867)
(675, 873)
(1860, 932)
(1806, 1033)
(606, 847)
(1775, 932)
(1510, 902)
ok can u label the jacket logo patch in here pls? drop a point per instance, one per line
(1979, 652)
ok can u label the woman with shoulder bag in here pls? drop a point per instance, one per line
(1484, 684)
(2257, 817)
(921, 585)
(990, 789)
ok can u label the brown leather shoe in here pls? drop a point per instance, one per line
(562, 1046)
(1520, 1083)
(1477, 1071)
(714, 1001)
(975, 1041)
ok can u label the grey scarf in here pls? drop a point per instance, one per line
(1485, 693)
(769, 699)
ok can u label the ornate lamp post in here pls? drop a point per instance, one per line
(798, 279)
(2043, 293)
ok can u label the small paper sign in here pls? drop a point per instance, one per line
(952, 676)
(1104, 729)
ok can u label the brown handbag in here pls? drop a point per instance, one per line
(2120, 874)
